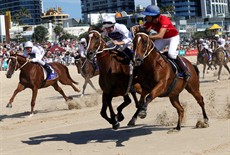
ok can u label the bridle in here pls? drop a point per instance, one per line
(147, 51)
(17, 64)
(98, 50)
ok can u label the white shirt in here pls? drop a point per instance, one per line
(120, 33)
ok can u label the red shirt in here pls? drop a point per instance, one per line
(163, 22)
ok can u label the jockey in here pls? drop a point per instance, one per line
(205, 45)
(221, 43)
(167, 35)
(120, 35)
(36, 54)
(82, 47)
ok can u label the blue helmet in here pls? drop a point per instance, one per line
(151, 10)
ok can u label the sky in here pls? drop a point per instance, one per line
(73, 7)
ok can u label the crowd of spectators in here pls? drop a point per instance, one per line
(62, 52)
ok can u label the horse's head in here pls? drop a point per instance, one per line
(95, 44)
(142, 45)
(15, 62)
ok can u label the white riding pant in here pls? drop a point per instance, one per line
(172, 44)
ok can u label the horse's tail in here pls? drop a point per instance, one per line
(197, 70)
(68, 75)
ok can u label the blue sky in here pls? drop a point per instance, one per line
(73, 7)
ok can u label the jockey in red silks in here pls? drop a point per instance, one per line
(167, 35)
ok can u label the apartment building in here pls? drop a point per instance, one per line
(105, 6)
(33, 6)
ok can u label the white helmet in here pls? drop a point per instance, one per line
(108, 21)
(83, 40)
(217, 36)
(28, 44)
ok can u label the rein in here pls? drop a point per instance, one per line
(16, 58)
(147, 52)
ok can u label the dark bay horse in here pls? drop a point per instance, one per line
(114, 78)
(87, 70)
(219, 58)
(158, 79)
(203, 58)
(31, 76)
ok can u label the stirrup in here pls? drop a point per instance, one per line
(187, 76)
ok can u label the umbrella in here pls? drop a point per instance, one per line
(56, 48)
(215, 26)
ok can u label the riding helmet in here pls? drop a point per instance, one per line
(28, 44)
(152, 10)
(108, 21)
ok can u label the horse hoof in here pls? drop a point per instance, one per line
(201, 124)
(132, 122)
(116, 126)
(120, 118)
(9, 105)
(70, 98)
(172, 131)
(142, 114)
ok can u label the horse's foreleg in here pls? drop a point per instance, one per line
(19, 88)
(204, 70)
(91, 84)
(219, 72)
(126, 102)
(57, 88)
(104, 108)
(34, 96)
(84, 87)
(138, 106)
(180, 110)
(107, 99)
(156, 91)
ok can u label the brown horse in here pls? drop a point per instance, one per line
(219, 58)
(114, 79)
(31, 76)
(158, 79)
(87, 70)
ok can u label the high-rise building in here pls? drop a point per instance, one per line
(194, 8)
(106, 6)
(33, 6)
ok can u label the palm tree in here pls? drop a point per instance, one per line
(40, 34)
(19, 15)
(58, 30)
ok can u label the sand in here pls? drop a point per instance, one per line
(56, 130)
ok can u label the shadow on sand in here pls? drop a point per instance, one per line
(97, 136)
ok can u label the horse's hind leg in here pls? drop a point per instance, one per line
(126, 102)
(226, 66)
(19, 88)
(180, 110)
(70, 83)
(84, 87)
(199, 98)
(57, 88)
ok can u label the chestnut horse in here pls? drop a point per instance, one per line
(219, 58)
(87, 70)
(158, 79)
(114, 79)
(32, 76)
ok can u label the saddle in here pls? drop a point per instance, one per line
(53, 75)
(175, 67)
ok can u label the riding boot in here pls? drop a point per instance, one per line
(48, 70)
(184, 68)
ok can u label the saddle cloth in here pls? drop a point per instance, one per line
(52, 75)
